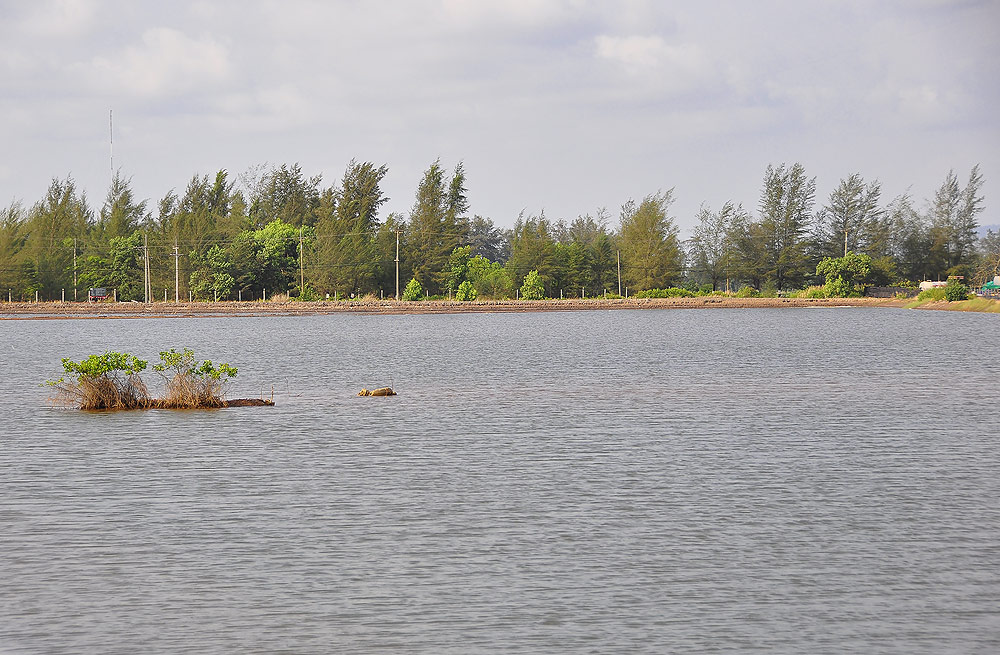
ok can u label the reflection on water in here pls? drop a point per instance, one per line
(780, 481)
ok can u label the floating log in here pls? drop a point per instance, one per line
(248, 402)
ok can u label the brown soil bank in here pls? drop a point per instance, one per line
(168, 309)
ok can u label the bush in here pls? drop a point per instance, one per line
(813, 292)
(466, 292)
(108, 381)
(307, 294)
(532, 288)
(937, 293)
(838, 287)
(746, 292)
(190, 383)
(846, 276)
(413, 290)
(955, 291)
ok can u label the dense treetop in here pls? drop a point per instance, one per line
(276, 230)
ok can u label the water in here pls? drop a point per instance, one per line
(719, 481)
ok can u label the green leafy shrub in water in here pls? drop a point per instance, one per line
(191, 383)
(112, 381)
(955, 291)
(413, 290)
(532, 288)
(466, 292)
(108, 381)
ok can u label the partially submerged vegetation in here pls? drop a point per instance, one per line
(108, 381)
(113, 381)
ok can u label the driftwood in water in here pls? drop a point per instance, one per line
(248, 402)
(382, 391)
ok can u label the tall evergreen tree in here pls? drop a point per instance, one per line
(348, 230)
(954, 224)
(711, 249)
(437, 226)
(851, 220)
(651, 254)
(785, 215)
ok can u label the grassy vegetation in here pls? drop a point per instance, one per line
(988, 305)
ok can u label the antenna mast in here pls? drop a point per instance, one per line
(111, 131)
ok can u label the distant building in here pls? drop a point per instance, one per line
(924, 286)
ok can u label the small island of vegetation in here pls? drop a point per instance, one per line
(112, 381)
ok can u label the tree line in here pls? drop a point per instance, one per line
(275, 230)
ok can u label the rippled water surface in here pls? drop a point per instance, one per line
(723, 481)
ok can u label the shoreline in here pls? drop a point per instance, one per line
(67, 310)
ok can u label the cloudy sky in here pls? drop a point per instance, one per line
(564, 106)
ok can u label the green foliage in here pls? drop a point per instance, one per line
(458, 264)
(955, 291)
(438, 223)
(746, 292)
(490, 279)
(466, 292)
(190, 383)
(413, 290)
(108, 381)
(308, 294)
(846, 276)
(936, 293)
(814, 292)
(184, 363)
(670, 292)
(651, 255)
(532, 288)
(838, 287)
(106, 364)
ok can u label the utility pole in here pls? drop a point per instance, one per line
(619, 272)
(145, 256)
(302, 270)
(397, 263)
(177, 274)
(845, 239)
(74, 269)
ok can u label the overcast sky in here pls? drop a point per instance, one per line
(564, 106)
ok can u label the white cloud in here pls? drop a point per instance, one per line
(59, 18)
(166, 63)
(640, 55)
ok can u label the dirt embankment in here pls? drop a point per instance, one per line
(53, 310)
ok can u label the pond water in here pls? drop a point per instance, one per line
(718, 481)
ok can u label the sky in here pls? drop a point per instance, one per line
(561, 106)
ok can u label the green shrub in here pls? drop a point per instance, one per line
(532, 288)
(746, 292)
(308, 294)
(108, 381)
(813, 292)
(955, 291)
(937, 293)
(466, 292)
(838, 287)
(413, 290)
(190, 383)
